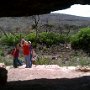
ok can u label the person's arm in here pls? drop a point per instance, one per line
(13, 52)
(33, 53)
(21, 44)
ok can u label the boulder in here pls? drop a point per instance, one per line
(3, 76)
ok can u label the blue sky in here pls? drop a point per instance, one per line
(77, 9)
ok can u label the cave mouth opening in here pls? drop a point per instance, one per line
(76, 9)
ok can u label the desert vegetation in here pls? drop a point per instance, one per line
(65, 44)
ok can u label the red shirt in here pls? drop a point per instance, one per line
(15, 53)
(26, 49)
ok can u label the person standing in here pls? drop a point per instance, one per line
(15, 54)
(26, 51)
(31, 52)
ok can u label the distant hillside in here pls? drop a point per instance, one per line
(67, 19)
(23, 23)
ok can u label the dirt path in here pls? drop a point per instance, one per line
(44, 71)
(47, 77)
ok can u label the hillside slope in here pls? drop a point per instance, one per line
(24, 23)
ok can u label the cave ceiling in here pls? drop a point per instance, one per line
(17, 8)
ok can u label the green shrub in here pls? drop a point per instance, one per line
(1, 53)
(47, 38)
(50, 38)
(43, 61)
(10, 40)
(81, 40)
(31, 37)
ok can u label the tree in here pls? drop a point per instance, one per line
(47, 26)
(36, 19)
(68, 28)
(60, 28)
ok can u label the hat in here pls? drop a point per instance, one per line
(29, 42)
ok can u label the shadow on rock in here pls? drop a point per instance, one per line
(82, 83)
(3, 76)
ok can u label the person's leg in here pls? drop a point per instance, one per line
(26, 61)
(18, 61)
(30, 60)
(15, 63)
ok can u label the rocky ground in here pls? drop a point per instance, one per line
(48, 77)
(44, 71)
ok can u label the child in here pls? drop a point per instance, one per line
(15, 54)
(32, 54)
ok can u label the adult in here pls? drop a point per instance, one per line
(26, 51)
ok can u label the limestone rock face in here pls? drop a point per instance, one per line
(33, 7)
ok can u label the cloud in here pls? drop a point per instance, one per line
(77, 9)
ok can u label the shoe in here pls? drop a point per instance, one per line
(27, 67)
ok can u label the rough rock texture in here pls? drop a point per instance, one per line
(3, 76)
(32, 7)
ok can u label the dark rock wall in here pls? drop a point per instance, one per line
(33, 7)
(3, 76)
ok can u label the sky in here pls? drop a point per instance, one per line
(77, 10)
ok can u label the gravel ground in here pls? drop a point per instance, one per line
(47, 77)
(44, 71)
